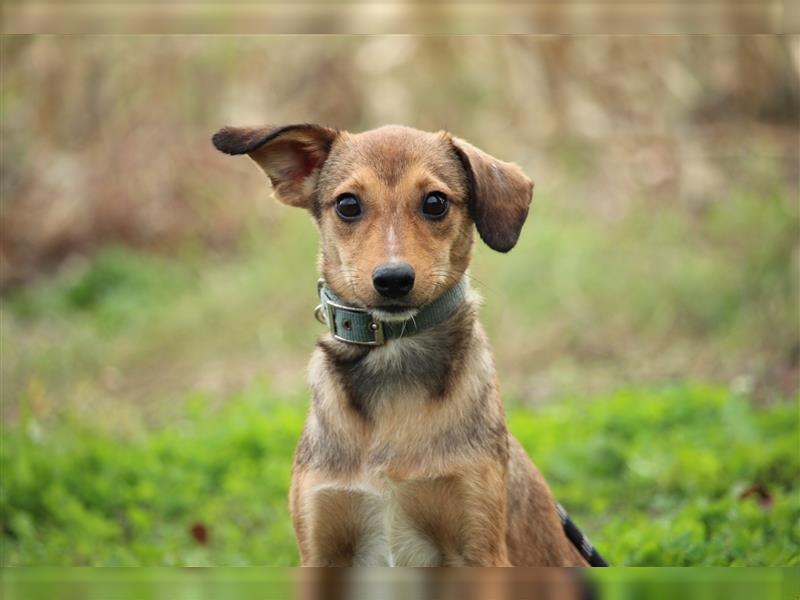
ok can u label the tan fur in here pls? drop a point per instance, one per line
(416, 470)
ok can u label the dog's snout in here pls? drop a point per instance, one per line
(393, 280)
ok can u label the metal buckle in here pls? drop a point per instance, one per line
(318, 312)
(326, 314)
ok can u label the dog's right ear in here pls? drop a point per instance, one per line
(291, 156)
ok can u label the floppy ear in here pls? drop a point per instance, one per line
(499, 195)
(291, 156)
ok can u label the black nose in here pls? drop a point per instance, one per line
(393, 280)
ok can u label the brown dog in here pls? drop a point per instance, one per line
(405, 458)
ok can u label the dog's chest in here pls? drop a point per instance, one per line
(387, 518)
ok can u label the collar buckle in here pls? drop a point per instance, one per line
(325, 312)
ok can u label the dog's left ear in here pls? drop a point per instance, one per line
(499, 195)
(291, 156)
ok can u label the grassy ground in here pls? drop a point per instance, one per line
(678, 476)
(151, 405)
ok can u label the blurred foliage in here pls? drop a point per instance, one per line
(258, 583)
(654, 477)
(573, 308)
(105, 139)
(428, 18)
(663, 240)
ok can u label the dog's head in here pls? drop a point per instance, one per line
(395, 206)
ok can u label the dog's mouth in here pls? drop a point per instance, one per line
(393, 312)
(393, 308)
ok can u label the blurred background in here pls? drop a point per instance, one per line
(157, 303)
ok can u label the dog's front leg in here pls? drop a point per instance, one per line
(338, 525)
(485, 527)
(330, 528)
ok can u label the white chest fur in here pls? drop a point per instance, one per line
(386, 536)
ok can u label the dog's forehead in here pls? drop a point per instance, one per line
(392, 151)
(398, 138)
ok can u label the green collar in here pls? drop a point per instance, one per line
(355, 325)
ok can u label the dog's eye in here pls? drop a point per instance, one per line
(435, 205)
(348, 207)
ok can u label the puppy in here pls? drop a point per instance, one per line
(405, 458)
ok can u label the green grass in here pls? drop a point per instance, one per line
(78, 497)
(654, 477)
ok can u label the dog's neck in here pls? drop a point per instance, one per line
(362, 326)
(426, 362)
